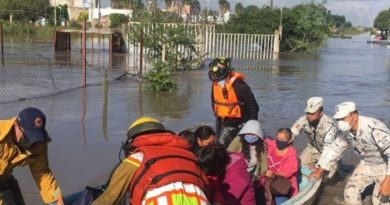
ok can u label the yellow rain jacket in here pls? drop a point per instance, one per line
(11, 156)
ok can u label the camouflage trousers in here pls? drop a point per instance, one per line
(363, 176)
(310, 156)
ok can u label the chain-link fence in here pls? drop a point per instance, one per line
(33, 70)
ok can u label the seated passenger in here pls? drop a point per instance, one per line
(189, 136)
(283, 160)
(204, 135)
(229, 182)
(250, 144)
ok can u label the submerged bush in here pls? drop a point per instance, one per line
(169, 43)
(158, 78)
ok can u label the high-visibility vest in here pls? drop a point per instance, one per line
(226, 104)
(166, 160)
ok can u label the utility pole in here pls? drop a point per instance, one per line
(2, 43)
(55, 13)
(45, 12)
(99, 14)
(91, 16)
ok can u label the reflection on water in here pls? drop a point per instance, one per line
(105, 105)
(141, 99)
(98, 54)
(174, 104)
(83, 113)
(161, 104)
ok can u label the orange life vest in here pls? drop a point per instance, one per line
(226, 103)
(166, 160)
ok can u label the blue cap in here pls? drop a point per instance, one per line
(33, 122)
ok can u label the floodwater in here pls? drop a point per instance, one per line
(88, 125)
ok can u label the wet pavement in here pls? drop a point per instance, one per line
(87, 135)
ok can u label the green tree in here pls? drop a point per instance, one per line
(63, 12)
(194, 4)
(347, 24)
(382, 21)
(158, 17)
(196, 7)
(135, 5)
(117, 20)
(335, 20)
(304, 27)
(121, 4)
(251, 21)
(83, 16)
(238, 8)
(24, 10)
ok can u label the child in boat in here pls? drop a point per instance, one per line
(283, 160)
(229, 182)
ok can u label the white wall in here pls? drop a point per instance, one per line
(108, 11)
(82, 3)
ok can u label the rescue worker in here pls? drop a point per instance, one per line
(370, 139)
(318, 127)
(232, 100)
(159, 169)
(23, 141)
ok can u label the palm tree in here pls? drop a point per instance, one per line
(227, 7)
(224, 6)
(238, 8)
(195, 6)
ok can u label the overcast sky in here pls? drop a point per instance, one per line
(359, 12)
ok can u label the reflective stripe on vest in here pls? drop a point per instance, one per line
(226, 103)
(176, 194)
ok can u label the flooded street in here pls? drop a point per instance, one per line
(87, 132)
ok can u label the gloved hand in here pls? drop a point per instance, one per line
(317, 174)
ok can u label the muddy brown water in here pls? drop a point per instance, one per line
(87, 135)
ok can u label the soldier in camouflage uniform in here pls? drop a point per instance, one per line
(320, 129)
(370, 138)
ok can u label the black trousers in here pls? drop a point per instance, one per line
(225, 134)
(10, 193)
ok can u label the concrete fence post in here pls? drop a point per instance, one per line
(276, 44)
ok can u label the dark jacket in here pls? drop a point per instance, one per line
(248, 104)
